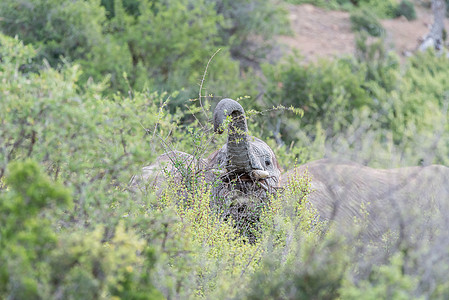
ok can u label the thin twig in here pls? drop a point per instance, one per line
(202, 81)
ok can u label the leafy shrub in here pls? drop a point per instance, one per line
(111, 242)
(157, 53)
(131, 7)
(382, 9)
(218, 254)
(386, 282)
(67, 29)
(212, 259)
(299, 264)
(248, 28)
(327, 4)
(381, 65)
(406, 9)
(374, 114)
(413, 108)
(141, 45)
(37, 262)
(46, 117)
(325, 91)
(25, 239)
(364, 20)
(171, 56)
(313, 271)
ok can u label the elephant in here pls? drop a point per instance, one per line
(247, 164)
(388, 201)
(172, 166)
(241, 174)
(245, 171)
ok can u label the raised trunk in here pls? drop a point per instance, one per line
(238, 147)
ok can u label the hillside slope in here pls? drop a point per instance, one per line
(321, 33)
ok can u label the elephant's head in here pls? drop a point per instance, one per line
(246, 162)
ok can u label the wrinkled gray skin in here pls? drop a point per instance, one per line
(247, 162)
(174, 165)
(397, 201)
(245, 166)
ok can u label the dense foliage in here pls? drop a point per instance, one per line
(158, 45)
(91, 91)
(383, 9)
(364, 20)
(406, 9)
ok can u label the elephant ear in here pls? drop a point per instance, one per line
(228, 107)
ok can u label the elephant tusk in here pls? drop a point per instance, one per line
(263, 186)
(219, 172)
(260, 174)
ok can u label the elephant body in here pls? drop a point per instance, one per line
(173, 166)
(244, 172)
(241, 174)
(388, 200)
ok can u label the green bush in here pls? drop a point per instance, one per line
(141, 44)
(25, 239)
(38, 262)
(368, 107)
(298, 263)
(70, 228)
(386, 282)
(406, 9)
(327, 92)
(49, 118)
(327, 4)
(131, 7)
(111, 241)
(379, 64)
(383, 9)
(314, 271)
(248, 28)
(365, 20)
(68, 29)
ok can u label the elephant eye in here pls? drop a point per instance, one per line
(267, 162)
